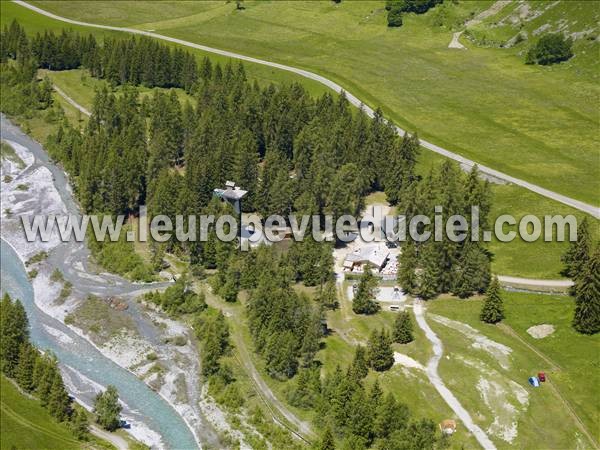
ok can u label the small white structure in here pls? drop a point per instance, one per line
(232, 194)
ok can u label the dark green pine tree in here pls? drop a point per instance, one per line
(360, 415)
(45, 380)
(245, 169)
(327, 441)
(360, 365)
(328, 295)
(579, 251)
(364, 299)
(24, 371)
(390, 416)
(477, 194)
(492, 310)
(280, 355)
(400, 171)
(381, 354)
(13, 332)
(429, 280)
(473, 272)
(587, 297)
(407, 276)
(59, 403)
(310, 341)
(79, 424)
(403, 328)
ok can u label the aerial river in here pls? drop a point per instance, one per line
(85, 368)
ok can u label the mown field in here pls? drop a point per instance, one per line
(26, 425)
(536, 123)
(518, 258)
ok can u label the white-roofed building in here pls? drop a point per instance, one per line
(373, 255)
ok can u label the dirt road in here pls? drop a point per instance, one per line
(438, 383)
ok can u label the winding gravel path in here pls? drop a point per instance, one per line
(581, 206)
(435, 379)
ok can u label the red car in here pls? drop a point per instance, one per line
(542, 376)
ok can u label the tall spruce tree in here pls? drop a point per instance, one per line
(327, 441)
(360, 365)
(24, 370)
(13, 333)
(59, 403)
(364, 298)
(79, 424)
(407, 276)
(403, 328)
(379, 348)
(492, 310)
(587, 296)
(328, 295)
(579, 251)
(472, 272)
(430, 276)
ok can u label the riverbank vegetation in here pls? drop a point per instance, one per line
(34, 372)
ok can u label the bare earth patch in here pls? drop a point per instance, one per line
(541, 331)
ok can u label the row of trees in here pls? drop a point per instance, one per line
(22, 93)
(285, 326)
(34, 372)
(582, 265)
(137, 60)
(38, 374)
(442, 264)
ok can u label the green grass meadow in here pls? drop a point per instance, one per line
(546, 423)
(26, 425)
(535, 123)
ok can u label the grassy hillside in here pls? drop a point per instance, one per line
(25, 424)
(533, 122)
(572, 358)
(571, 365)
(35, 23)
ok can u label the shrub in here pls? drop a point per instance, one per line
(394, 18)
(416, 6)
(57, 276)
(550, 49)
